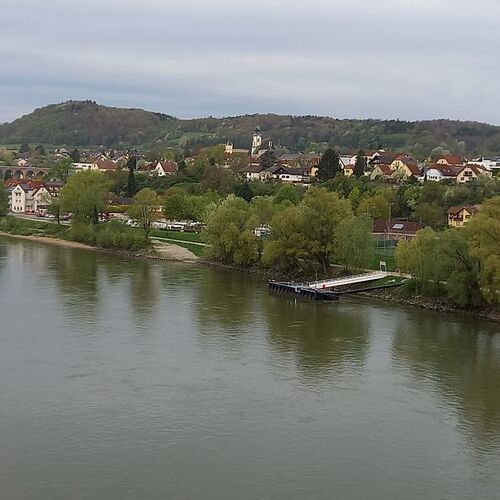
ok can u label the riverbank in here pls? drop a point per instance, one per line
(165, 252)
(170, 252)
(436, 304)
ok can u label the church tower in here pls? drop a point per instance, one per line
(256, 140)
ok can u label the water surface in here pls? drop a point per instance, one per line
(123, 379)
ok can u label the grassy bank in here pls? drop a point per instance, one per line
(111, 236)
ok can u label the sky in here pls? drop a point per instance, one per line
(387, 59)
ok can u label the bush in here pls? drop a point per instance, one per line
(111, 235)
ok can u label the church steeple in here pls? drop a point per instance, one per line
(256, 140)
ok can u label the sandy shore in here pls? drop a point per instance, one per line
(168, 251)
(162, 251)
(52, 241)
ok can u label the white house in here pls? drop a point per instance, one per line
(21, 198)
(285, 174)
(80, 167)
(438, 173)
(43, 195)
(252, 172)
(160, 168)
(491, 163)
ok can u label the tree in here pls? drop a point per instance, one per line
(420, 257)
(354, 245)
(287, 248)
(54, 208)
(322, 211)
(24, 149)
(75, 155)
(374, 207)
(429, 214)
(263, 209)
(39, 150)
(360, 165)
(288, 194)
(230, 234)
(175, 206)
(243, 190)
(460, 267)
(85, 195)
(4, 200)
(329, 165)
(144, 209)
(485, 245)
(267, 159)
(218, 179)
(62, 169)
(131, 166)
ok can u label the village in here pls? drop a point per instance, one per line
(31, 186)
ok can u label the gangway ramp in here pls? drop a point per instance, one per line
(346, 280)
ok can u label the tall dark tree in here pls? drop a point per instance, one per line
(24, 149)
(4, 200)
(267, 159)
(243, 190)
(131, 185)
(329, 165)
(40, 150)
(360, 165)
(75, 155)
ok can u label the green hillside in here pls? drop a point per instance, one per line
(85, 123)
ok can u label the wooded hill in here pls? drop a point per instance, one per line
(85, 124)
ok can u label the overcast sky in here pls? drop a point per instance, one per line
(407, 59)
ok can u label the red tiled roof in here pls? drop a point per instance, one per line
(446, 170)
(451, 159)
(395, 226)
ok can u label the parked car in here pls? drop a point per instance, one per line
(176, 226)
(157, 224)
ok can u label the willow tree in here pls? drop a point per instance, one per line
(84, 195)
(144, 209)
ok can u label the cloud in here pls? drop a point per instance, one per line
(357, 58)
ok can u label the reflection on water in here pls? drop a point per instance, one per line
(321, 339)
(179, 381)
(462, 361)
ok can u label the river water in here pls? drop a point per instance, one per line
(123, 379)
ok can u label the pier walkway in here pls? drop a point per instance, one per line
(346, 280)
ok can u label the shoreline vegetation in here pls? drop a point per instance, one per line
(287, 233)
(177, 253)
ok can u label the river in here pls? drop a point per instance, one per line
(130, 380)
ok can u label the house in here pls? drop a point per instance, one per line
(403, 167)
(252, 172)
(80, 167)
(449, 160)
(395, 229)
(285, 174)
(43, 195)
(459, 216)
(114, 200)
(492, 163)
(106, 165)
(438, 173)
(20, 198)
(349, 170)
(381, 171)
(381, 157)
(160, 168)
(471, 173)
